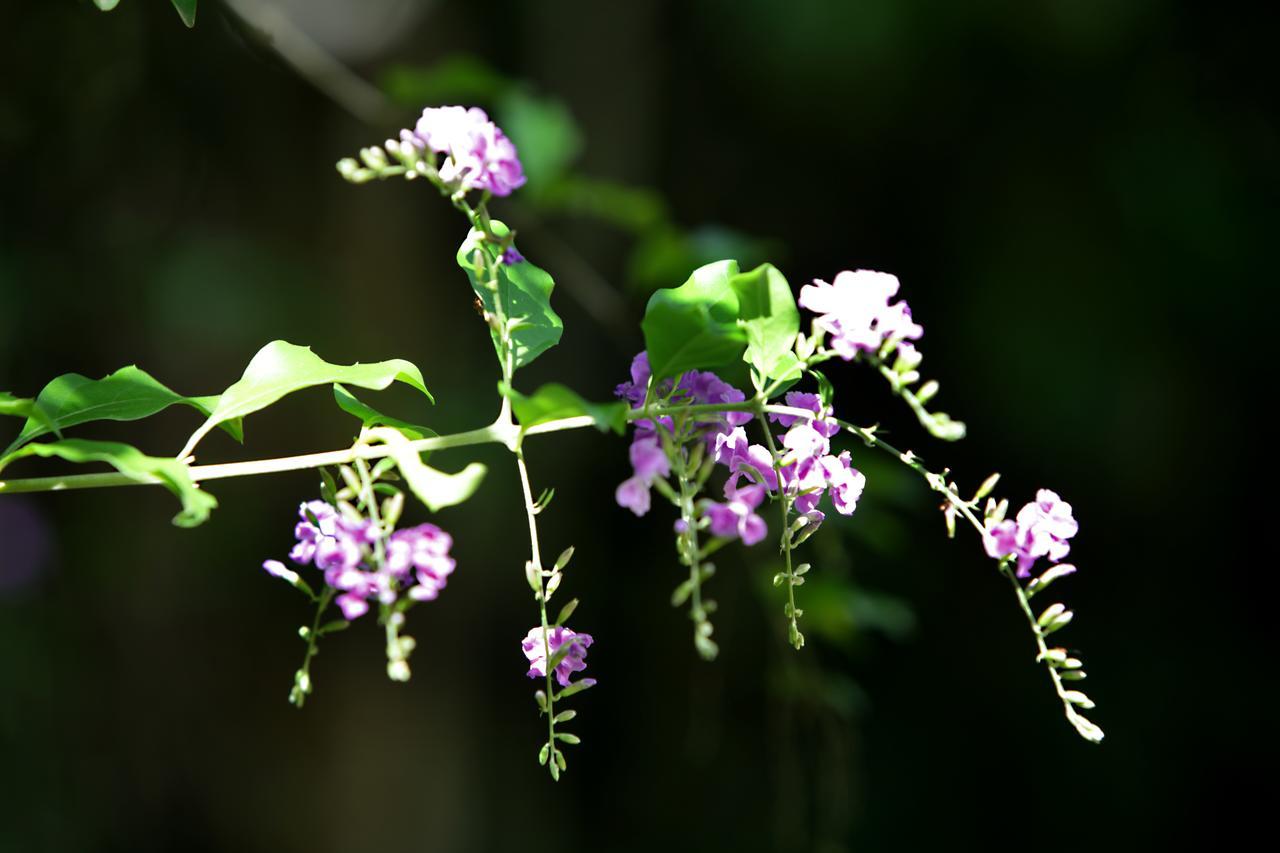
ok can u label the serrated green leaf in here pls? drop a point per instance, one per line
(525, 290)
(555, 401)
(186, 11)
(128, 460)
(371, 417)
(434, 488)
(767, 312)
(280, 368)
(695, 325)
(129, 394)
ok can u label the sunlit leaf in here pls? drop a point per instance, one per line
(767, 312)
(525, 291)
(280, 368)
(129, 394)
(434, 488)
(128, 460)
(555, 401)
(106, 5)
(695, 325)
(187, 11)
(17, 407)
(371, 417)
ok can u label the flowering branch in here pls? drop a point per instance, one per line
(687, 421)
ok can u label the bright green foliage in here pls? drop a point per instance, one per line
(128, 460)
(186, 10)
(16, 407)
(695, 325)
(280, 368)
(371, 417)
(525, 291)
(767, 312)
(106, 5)
(129, 394)
(555, 401)
(434, 488)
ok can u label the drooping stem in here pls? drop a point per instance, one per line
(531, 512)
(938, 483)
(784, 505)
(692, 556)
(302, 678)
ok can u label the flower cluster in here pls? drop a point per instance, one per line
(344, 547)
(648, 453)
(574, 659)
(855, 311)
(805, 473)
(1041, 529)
(808, 469)
(479, 155)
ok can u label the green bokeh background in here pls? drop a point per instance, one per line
(1080, 200)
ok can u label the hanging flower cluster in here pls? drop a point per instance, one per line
(573, 659)
(414, 561)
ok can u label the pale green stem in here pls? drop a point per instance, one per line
(536, 558)
(784, 504)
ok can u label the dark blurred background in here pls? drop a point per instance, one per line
(1079, 198)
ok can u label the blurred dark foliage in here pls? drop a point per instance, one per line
(1080, 200)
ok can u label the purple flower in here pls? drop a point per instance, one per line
(309, 532)
(855, 311)
(800, 400)
(648, 461)
(1049, 523)
(844, 482)
(634, 390)
(480, 156)
(805, 480)
(1042, 529)
(512, 256)
(575, 660)
(736, 517)
(352, 606)
(424, 550)
(415, 560)
(277, 569)
(633, 494)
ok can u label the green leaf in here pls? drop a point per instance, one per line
(371, 417)
(106, 5)
(128, 460)
(545, 133)
(280, 368)
(17, 407)
(434, 488)
(554, 401)
(767, 312)
(695, 325)
(526, 295)
(129, 394)
(186, 11)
